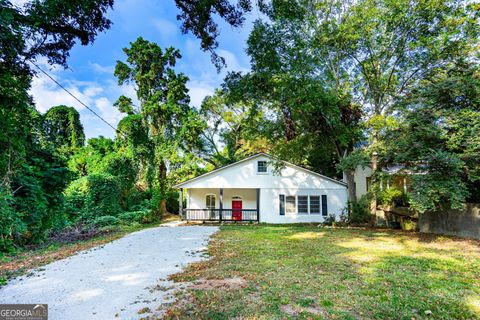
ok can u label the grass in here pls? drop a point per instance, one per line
(20, 262)
(307, 272)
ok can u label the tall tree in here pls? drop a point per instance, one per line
(172, 126)
(236, 129)
(62, 128)
(46, 29)
(316, 119)
(386, 49)
(378, 52)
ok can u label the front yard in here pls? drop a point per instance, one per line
(316, 273)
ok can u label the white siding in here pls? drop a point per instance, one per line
(196, 198)
(270, 204)
(242, 179)
(361, 175)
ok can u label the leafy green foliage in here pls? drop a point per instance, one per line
(32, 175)
(93, 196)
(63, 130)
(49, 29)
(11, 224)
(390, 196)
(198, 18)
(360, 211)
(441, 187)
(165, 127)
(105, 221)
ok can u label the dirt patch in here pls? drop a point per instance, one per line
(290, 310)
(294, 311)
(225, 284)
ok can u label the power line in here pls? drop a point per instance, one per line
(74, 97)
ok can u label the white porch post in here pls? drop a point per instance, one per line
(258, 205)
(180, 200)
(221, 204)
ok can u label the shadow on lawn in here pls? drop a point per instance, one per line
(349, 273)
(405, 277)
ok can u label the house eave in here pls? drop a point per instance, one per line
(182, 184)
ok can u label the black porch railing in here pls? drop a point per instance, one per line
(221, 214)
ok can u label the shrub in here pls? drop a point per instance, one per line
(93, 196)
(10, 222)
(123, 168)
(329, 220)
(141, 216)
(359, 211)
(389, 196)
(105, 221)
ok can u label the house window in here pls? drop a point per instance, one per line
(303, 204)
(369, 183)
(261, 166)
(290, 205)
(282, 204)
(324, 205)
(210, 201)
(314, 204)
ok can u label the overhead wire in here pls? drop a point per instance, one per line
(76, 98)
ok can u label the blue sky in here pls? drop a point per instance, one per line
(90, 73)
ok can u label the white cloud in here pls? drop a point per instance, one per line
(101, 69)
(107, 111)
(231, 61)
(47, 94)
(96, 95)
(198, 90)
(166, 29)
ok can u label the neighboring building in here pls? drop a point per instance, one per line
(253, 190)
(395, 176)
(362, 179)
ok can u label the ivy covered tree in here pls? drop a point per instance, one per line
(31, 176)
(63, 130)
(171, 125)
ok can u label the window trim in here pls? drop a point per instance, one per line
(294, 204)
(324, 205)
(319, 212)
(298, 205)
(281, 205)
(266, 167)
(214, 201)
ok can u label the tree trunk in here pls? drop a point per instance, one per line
(373, 204)
(352, 192)
(162, 210)
(290, 132)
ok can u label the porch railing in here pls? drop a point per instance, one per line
(221, 214)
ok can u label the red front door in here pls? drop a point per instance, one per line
(236, 210)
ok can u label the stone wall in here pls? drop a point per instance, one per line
(462, 223)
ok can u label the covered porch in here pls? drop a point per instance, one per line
(220, 204)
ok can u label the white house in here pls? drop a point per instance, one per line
(253, 190)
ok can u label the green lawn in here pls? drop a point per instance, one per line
(314, 273)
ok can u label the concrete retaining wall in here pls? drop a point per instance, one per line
(462, 223)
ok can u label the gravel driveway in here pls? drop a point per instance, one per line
(113, 281)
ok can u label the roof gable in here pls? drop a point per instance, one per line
(242, 174)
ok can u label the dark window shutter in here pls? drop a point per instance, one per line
(282, 204)
(324, 205)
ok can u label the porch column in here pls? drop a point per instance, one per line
(180, 202)
(258, 205)
(221, 204)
